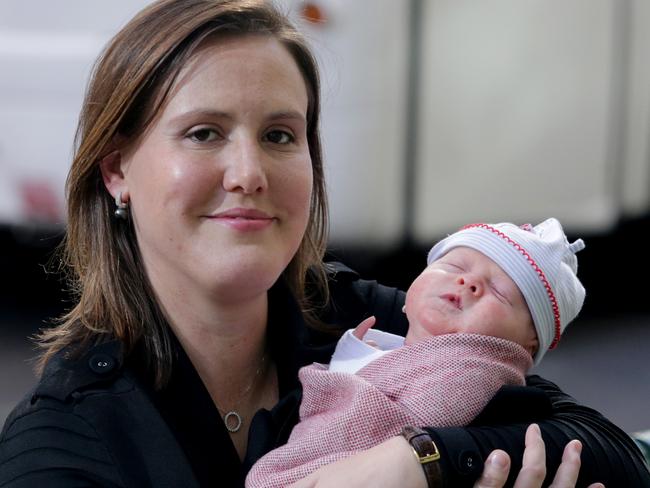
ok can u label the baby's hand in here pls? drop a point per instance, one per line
(360, 330)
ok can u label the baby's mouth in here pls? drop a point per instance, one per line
(454, 299)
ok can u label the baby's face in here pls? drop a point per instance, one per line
(465, 291)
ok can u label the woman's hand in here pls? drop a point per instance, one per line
(390, 464)
(533, 469)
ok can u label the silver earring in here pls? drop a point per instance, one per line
(121, 212)
(403, 308)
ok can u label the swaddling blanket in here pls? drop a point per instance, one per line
(443, 381)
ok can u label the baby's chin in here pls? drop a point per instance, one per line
(429, 324)
(416, 334)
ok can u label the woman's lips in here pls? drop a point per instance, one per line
(243, 219)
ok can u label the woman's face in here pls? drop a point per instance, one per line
(220, 184)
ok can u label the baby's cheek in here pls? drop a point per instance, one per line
(498, 321)
(431, 321)
(417, 293)
(413, 301)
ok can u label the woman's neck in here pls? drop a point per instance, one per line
(221, 326)
(227, 347)
(225, 343)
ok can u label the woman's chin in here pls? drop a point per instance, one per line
(245, 277)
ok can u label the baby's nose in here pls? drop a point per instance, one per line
(471, 282)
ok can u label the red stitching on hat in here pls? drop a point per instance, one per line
(538, 270)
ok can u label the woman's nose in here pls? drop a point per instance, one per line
(245, 170)
(473, 283)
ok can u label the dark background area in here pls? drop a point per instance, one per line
(613, 268)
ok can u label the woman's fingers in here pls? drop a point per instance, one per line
(495, 471)
(567, 473)
(533, 466)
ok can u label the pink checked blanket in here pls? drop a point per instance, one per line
(443, 381)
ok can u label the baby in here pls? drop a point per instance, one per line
(492, 300)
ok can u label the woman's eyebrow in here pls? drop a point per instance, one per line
(219, 114)
(287, 114)
(202, 113)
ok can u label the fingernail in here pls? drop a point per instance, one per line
(577, 445)
(498, 460)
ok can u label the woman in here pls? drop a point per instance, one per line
(196, 228)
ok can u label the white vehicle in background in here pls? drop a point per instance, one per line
(435, 112)
(46, 53)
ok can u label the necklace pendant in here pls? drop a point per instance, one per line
(233, 421)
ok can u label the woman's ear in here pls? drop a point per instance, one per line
(112, 174)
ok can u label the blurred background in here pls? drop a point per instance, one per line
(436, 113)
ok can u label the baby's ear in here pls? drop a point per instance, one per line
(532, 346)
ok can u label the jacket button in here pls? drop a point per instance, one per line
(469, 462)
(101, 363)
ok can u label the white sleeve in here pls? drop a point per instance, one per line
(352, 354)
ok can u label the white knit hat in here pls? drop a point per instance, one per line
(539, 260)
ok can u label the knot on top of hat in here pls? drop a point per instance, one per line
(576, 246)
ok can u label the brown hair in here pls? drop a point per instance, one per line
(129, 84)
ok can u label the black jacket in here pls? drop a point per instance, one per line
(94, 421)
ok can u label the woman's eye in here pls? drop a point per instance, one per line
(203, 135)
(279, 137)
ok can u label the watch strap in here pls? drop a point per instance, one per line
(426, 452)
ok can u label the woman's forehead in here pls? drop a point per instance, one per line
(246, 65)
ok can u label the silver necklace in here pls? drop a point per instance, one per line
(232, 419)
